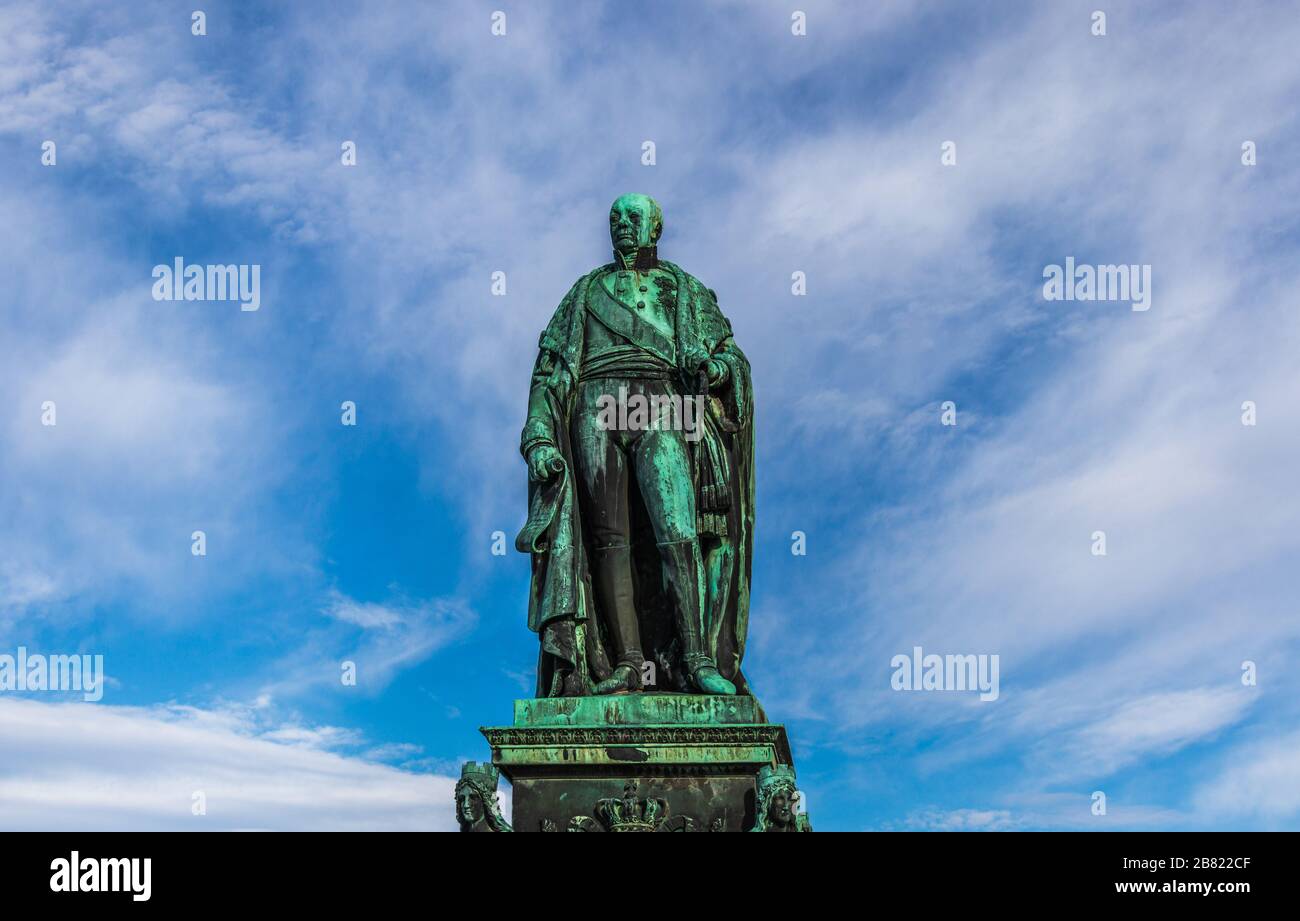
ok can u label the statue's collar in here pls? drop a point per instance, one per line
(645, 258)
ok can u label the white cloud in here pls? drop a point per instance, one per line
(397, 751)
(962, 820)
(1034, 811)
(88, 768)
(1153, 726)
(368, 616)
(1259, 780)
(380, 639)
(151, 443)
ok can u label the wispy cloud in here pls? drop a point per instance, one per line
(376, 640)
(1259, 780)
(96, 768)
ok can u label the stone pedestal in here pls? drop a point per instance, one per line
(637, 762)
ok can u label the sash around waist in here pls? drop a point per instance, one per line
(625, 361)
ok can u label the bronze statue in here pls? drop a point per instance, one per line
(640, 454)
(639, 443)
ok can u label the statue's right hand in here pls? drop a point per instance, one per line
(544, 462)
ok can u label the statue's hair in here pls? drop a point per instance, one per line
(491, 808)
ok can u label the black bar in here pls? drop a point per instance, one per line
(334, 870)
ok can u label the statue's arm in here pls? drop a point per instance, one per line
(549, 388)
(725, 357)
(550, 382)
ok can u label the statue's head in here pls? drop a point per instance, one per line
(776, 798)
(635, 222)
(476, 798)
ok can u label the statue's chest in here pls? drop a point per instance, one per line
(651, 295)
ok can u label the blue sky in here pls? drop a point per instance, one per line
(775, 153)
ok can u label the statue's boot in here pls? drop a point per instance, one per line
(684, 575)
(612, 571)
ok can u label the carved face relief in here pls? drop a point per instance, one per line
(635, 221)
(780, 812)
(469, 807)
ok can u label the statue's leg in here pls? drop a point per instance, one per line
(661, 461)
(603, 481)
(612, 578)
(719, 557)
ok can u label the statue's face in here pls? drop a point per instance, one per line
(469, 805)
(780, 812)
(633, 223)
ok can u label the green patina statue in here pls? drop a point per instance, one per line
(639, 443)
(640, 453)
